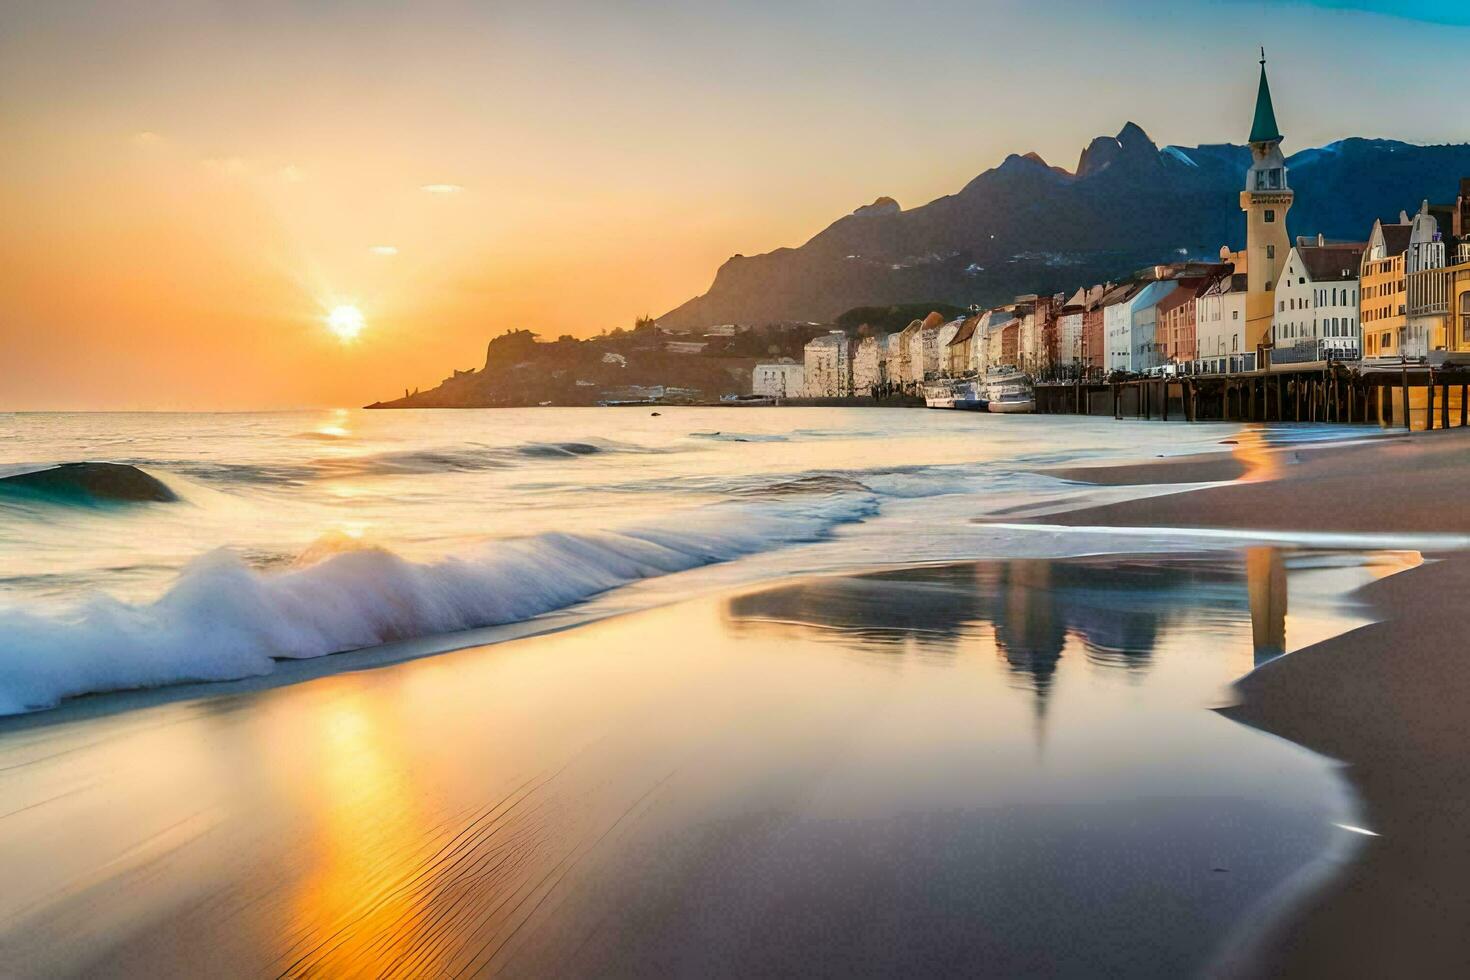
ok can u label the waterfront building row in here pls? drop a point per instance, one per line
(1403, 293)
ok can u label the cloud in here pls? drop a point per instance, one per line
(228, 166)
(147, 138)
(384, 249)
(441, 188)
(292, 174)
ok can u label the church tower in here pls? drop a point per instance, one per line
(1265, 201)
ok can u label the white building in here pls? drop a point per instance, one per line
(900, 344)
(786, 379)
(924, 352)
(1144, 341)
(942, 338)
(1219, 327)
(985, 343)
(1317, 304)
(828, 371)
(892, 366)
(867, 364)
(1028, 344)
(1129, 325)
(1424, 301)
(1069, 328)
(1118, 326)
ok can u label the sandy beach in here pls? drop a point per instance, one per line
(1030, 766)
(1386, 699)
(988, 767)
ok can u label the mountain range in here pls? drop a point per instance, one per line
(1027, 226)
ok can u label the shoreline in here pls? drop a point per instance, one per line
(1402, 764)
(632, 766)
(1386, 700)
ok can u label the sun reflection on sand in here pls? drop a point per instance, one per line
(353, 912)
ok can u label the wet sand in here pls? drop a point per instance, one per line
(986, 769)
(1388, 700)
(1201, 468)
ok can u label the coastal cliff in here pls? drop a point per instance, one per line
(625, 365)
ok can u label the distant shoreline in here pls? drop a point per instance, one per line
(910, 401)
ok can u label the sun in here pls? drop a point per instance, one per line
(346, 322)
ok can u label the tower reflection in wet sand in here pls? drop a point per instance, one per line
(1265, 570)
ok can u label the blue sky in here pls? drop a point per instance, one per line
(1430, 11)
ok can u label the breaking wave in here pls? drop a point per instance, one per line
(412, 462)
(86, 483)
(222, 620)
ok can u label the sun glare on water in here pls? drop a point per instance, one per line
(346, 322)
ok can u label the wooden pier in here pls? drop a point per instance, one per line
(1410, 396)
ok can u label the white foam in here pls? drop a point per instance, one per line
(222, 620)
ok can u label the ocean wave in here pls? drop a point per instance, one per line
(470, 458)
(412, 462)
(86, 483)
(222, 620)
(739, 437)
(815, 483)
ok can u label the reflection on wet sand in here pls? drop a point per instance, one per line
(837, 771)
(352, 912)
(1255, 451)
(1115, 611)
(1266, 580)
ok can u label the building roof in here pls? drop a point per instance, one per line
(1119, 293)
(1396, 238)
(1188, 289)
(1331, 263)
(966, 331)
(1263, 127)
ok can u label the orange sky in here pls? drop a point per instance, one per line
(188, 188)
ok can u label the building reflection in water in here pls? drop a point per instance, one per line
(1257, 453)
(1265, 570)
(1035, 612)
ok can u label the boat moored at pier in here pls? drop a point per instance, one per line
(1009, 392)
(961, 394)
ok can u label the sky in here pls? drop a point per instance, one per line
(188, 189)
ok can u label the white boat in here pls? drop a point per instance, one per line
(1009, 391)
(963, 395)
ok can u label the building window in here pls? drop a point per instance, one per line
(1270, 216)
(1465, 318)
(1270, 251)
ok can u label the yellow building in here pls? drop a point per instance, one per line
(1458, 327)
(1265, 201)
(1381, 293)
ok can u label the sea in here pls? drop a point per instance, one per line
(301, 534)
(646, 691)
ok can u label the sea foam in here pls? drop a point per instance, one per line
(222, 620)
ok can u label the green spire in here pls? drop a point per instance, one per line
(1264, 130)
